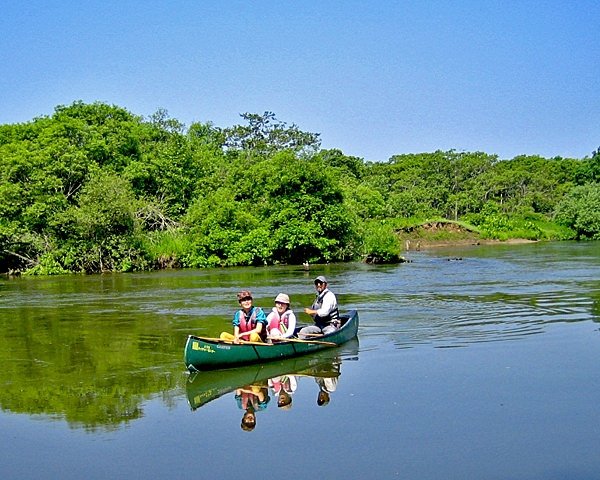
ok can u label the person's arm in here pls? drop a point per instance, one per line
(236, 327)
(291, 325)
(293, 383)
(260, 316)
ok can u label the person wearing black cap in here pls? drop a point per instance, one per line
(324, 311)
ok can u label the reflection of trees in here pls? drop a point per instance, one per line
(91, 374)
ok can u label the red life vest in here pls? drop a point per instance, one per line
(249, 400)
(248, 322)
(282, 322)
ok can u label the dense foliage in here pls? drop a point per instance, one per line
(94, 187)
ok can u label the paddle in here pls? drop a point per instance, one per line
(242, 342)
(299, 340)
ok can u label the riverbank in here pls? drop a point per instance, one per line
(444, 234)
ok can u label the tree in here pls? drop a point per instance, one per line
(589, 171)
(303, 204)
(265, 135)
(580, 210)
(101, 226)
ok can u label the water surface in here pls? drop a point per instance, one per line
(478, 362)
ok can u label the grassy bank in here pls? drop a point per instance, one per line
(439, 232)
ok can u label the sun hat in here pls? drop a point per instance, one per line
(320, 279)
(244, 294)
(282, 298)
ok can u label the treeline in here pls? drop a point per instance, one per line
(95, 188)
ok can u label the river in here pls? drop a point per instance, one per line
(471, 362)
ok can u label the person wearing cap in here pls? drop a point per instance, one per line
(327, 385)
(281, 322)
(249, 323)
(324, 311)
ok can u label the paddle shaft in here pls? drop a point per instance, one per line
(231, 342)
(299, 340)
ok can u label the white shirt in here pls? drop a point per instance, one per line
(329, 303)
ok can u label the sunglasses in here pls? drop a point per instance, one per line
(245, 299)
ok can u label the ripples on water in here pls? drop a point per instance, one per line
(483, 295)
(443, 297)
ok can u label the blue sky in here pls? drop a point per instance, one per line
(374, 78)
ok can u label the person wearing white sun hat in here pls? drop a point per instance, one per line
(281, 322)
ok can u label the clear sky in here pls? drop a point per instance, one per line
(375, 78)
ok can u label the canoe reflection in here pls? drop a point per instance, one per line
(256, 385)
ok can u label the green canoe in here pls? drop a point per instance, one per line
(208, 354)
(203, 387)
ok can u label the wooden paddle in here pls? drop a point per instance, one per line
(299, 340)
(231, 342)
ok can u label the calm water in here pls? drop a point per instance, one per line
(479, 362)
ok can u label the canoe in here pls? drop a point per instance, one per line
(206, 386)
(208, 354)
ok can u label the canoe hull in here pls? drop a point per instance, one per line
(202, 354)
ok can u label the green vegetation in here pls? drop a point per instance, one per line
(95, 188)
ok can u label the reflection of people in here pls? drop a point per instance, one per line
(251, 398)
(249, 323)
(282, 320)
(326, 385)
(324, 311)
(283, 387)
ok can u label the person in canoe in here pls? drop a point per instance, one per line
(324, 311)
(282, 320)
(249, 323)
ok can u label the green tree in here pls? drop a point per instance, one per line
(102, 226)
(303, 203)
(589, 169)
(580, 210)
(264, 134)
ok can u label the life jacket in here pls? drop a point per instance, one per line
(282, 383)
(334, 315)
(249, 400)
(248, 322)
(282, 322)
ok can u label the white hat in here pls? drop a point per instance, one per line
(282, 298)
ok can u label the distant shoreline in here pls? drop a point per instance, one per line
(421, 244)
